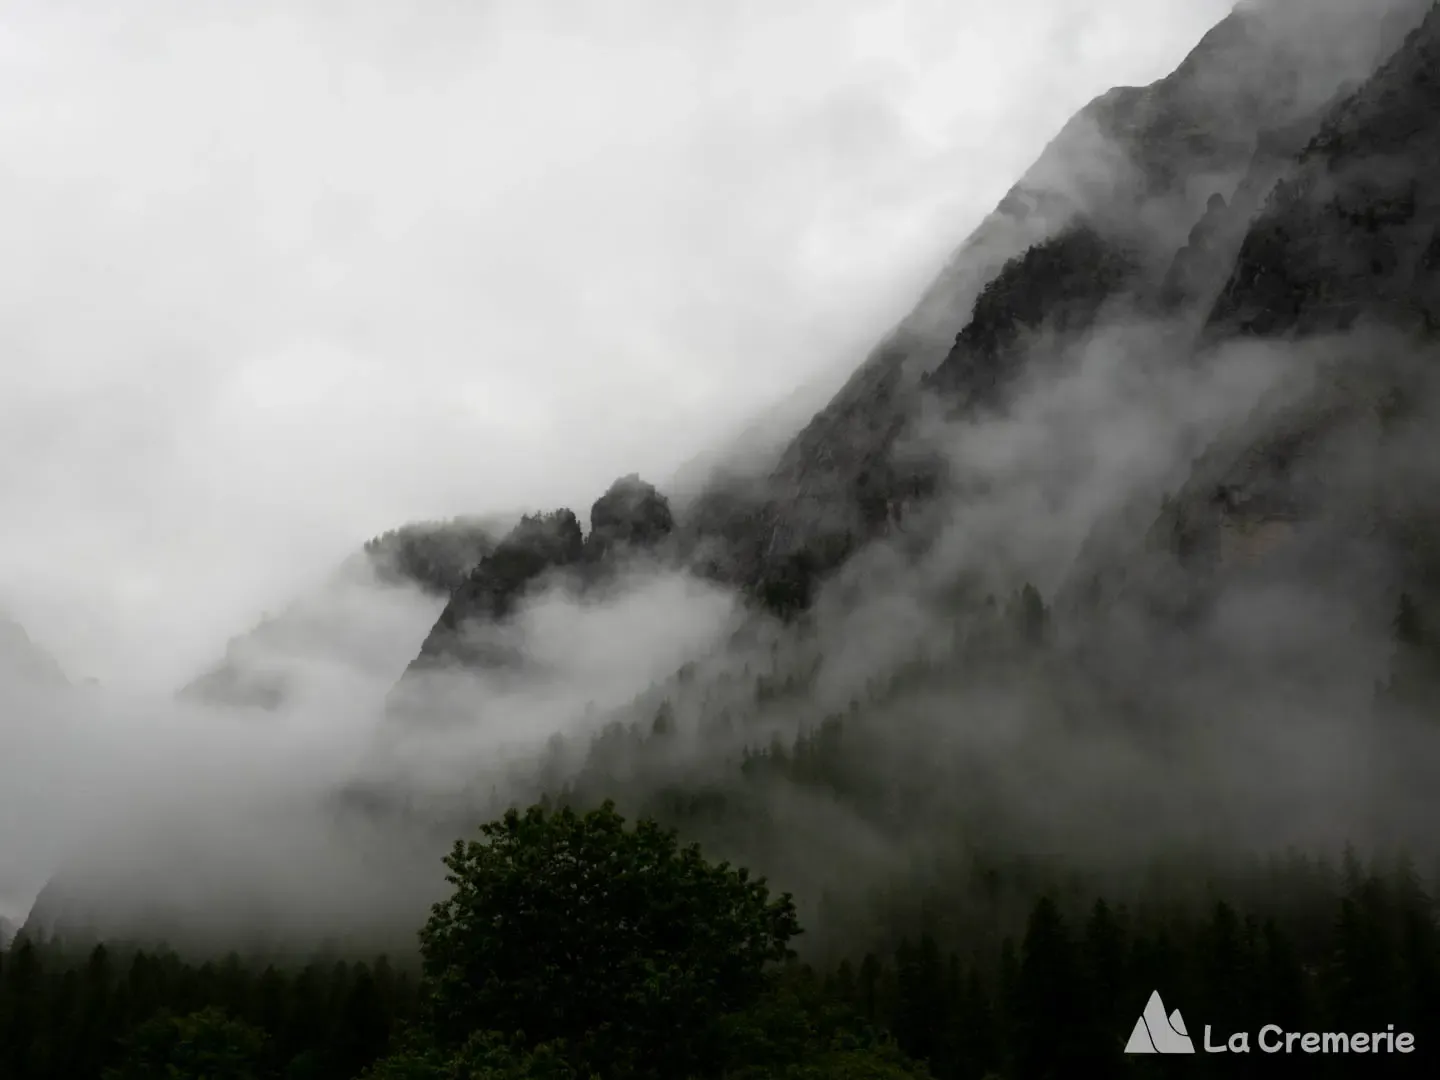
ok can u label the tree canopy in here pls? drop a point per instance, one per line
(563, 926)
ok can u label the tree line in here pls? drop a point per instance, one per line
(576, 945)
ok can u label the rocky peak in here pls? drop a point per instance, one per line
(490, 593)
(540, 542)
(436, 556)
(471, 632)
(1099, 216)
(632, 514)
(1060, 285)
(1345, 235)
(1199, 260)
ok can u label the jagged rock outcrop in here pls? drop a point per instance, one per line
(1123, 185)
(1203, 253)
(1340, 256)
(631, 515)
(490, 592)
(1354, 231)
(436, 556)
(1149, 193)
(261, 669)
(1059, 285)
(473, 634)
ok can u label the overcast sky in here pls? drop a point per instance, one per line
(276, 277)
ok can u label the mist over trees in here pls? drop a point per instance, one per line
(581, 945)
(1083, 646)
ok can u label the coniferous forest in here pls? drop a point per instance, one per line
(580, 945)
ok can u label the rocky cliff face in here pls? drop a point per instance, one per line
(1276, 186)
(472, 634)
(1354, 231)
(632, 515)
(1102, 215)
(1339, 265)
(1274, 182)
(539, 544)
(1060, 285)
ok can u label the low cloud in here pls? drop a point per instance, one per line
(465, 258)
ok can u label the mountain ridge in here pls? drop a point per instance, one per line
(630, 519)
(1225, 208)
(431, 557)
(1199, 129)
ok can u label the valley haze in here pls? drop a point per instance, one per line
(1091, 533)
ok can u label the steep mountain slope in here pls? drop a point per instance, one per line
(1355, 231)
(912, 714)
(1131, 175)
(1345, 254)
(472, 633)
(889, 735)
(1138, 206)
(1221, 666)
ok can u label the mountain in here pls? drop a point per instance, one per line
(21, 660)
(1346, 246)
(630, 519)
(1353, 231)
(1106, 210)
(1153, 205)
(334, 625)
(1227, 642)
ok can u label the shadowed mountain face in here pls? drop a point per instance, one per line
(1140, 209)
(632, 514)
(1110, 203)
(539, 544)
(1354, 231)
(1345, 244)
(632, 519)
(1275, 198)
(434, 556)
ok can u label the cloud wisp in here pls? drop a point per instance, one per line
(282, 279)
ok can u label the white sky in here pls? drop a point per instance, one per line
(275, 277)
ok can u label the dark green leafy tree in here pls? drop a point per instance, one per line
(618, 940)
(205, 1045)
(800, 1031)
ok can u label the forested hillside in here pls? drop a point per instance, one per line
(556, 957)
(1083, 646)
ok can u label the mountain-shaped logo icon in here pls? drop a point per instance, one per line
(1155, 1033)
